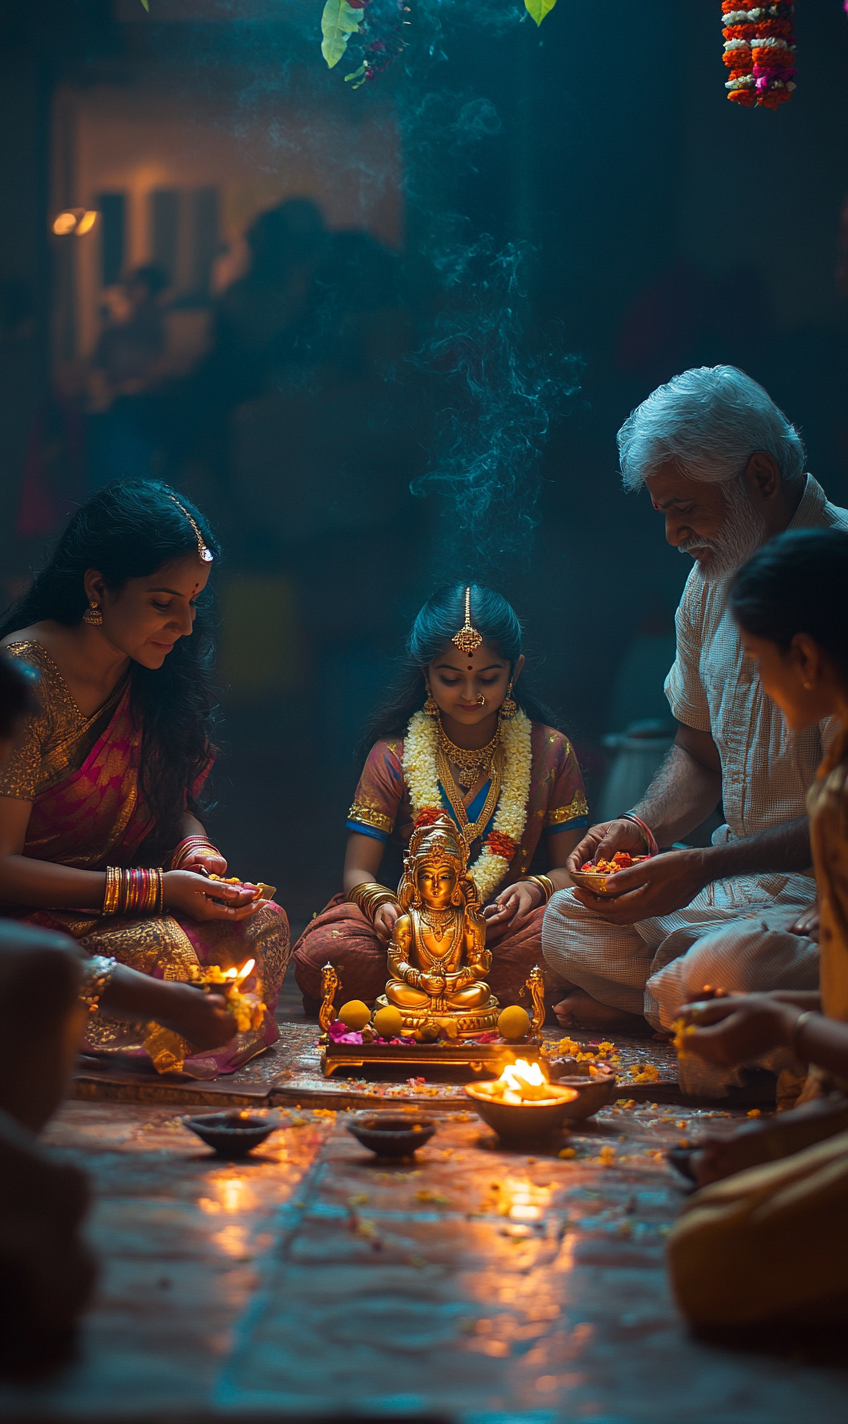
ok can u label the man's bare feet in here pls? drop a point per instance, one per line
(579, 1010)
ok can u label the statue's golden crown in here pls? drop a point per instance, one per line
(436, 843)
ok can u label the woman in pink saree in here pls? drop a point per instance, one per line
(100, 834)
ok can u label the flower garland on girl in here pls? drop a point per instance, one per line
(759, 51)
(420, 772)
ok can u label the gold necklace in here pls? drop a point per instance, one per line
(472, 763)
(471, 829)
(436, 920)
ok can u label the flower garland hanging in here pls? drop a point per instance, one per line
(759, 51)
(419, 768)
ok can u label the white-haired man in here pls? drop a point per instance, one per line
(726, 469)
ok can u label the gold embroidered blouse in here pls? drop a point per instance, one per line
(57, 738)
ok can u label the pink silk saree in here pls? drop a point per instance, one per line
(96, 816)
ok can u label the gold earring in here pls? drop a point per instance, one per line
(92, 615)
(509, 706)
(431, 706)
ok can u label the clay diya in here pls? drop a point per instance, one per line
(232, 1134)
(521, 1105)
(389, 1136)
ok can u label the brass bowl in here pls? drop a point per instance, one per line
(601, 882)
(594, 880)
(523, 1122)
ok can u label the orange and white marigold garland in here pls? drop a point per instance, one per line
(420, 772)
(759, 51)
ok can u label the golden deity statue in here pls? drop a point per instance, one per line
(437, 954)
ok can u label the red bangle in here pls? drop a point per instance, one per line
(650, 838)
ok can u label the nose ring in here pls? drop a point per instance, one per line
(481, 700)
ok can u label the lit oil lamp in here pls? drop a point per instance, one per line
(522, 1104)
(247, 1009)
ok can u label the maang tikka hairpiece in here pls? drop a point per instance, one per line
(468, 638)
(206, 555)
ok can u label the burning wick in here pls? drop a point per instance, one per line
(522, 1082)
(234, 977)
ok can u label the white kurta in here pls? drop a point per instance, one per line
(736, 933)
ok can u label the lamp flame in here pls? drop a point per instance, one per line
(524, 1082)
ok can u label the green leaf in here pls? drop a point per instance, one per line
(356, 74)
(538, 9)
(338, 22)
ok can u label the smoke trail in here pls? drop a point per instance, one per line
(499, 394)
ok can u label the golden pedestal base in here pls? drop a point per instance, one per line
(454, 1053)
(455, 1024)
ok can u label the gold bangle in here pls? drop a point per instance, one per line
(369, 896)
(191, 845)
(545, 884)
(112, 891)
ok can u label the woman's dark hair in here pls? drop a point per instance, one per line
(17, 696)
(436, 623)
(797, 583)
(127, 531)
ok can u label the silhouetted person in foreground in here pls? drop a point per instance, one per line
(46, 1271)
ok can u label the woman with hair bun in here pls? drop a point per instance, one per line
(100, 835)
(461, 734)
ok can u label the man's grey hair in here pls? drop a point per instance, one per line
(709, 421)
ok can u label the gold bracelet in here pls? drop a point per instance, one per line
(133, 892)
(369, 896)
(112, 893)
(545, 884)
(191, 845)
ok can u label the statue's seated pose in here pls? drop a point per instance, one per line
(437, 954)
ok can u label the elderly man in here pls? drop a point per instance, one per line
(726, 469)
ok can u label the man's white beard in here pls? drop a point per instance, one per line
(742, 533)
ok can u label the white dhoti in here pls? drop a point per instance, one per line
(735, 935)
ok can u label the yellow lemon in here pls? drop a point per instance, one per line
(354, 1014)
(388, 1022)
(514, 1022)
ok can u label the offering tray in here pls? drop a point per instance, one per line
(472, 1056)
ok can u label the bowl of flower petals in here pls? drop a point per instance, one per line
(521, 1105)
(596, 875)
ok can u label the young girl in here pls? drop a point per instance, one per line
(461, 735)
(100, 835)
(768, 1238)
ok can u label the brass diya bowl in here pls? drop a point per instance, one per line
(601, 882)
(390, 1135)
(527, 1121)
(232, 1134)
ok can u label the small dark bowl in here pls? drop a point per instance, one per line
(391, 1136)
(232, 1134)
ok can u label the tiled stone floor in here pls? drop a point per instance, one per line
(474, 1283)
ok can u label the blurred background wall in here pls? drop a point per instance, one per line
(344, 321)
